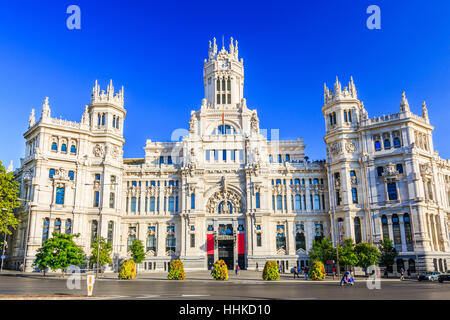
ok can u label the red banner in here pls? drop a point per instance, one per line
(209, 244)
(241, 243)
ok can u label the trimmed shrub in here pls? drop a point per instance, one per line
(220, 271)
(127, 270)
(271, 271)
(176, 270)
(317, 270)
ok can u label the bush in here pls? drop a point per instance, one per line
(270, 271)
(220, 271)
(176, 270)
(127, 270)
(317, 270)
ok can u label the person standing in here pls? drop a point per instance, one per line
(306, 273)
(237, 270)
(334, 272)
(402, 274)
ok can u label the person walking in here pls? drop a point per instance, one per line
(334, 272)
(257, 266)
(402, 274)
(299, 269)
(237, 270)
(306, 273)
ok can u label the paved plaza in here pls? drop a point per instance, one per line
(199, 285)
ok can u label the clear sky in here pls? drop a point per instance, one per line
(156, 50)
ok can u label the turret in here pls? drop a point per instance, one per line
(404, 105)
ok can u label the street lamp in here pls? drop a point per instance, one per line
(4, 238)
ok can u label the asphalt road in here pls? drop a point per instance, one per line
(16, 286)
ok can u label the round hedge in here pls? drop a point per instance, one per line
(271, 271)
(220, 271)
(317, 271)
(127, 270)
(176, 270)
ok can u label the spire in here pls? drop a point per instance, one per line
(214, 46)
(352, 88)
(424, 111)
(231, 46)
(236, 51)
(337, 87)
(45, 109)
(404, 105)
(110, 89)
(31, 119)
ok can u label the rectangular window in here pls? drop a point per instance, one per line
(171, 204)
(229, 98)
(399, 168)
(59, 195)
(298, 205)
(161, 159)
(241, 155)
(133, 204)
(392, 191)
(207, 155)
(193, 201)
(279, 203)
(317, 202)
(96, 198)
(152, 204)
(216, 155)
(233, 155)
(354, 195)
(169, 160)
(112, 197)
(258, 240)
(257, 200)
(224, 155)
(192, 240)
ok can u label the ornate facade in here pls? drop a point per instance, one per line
(226, 191)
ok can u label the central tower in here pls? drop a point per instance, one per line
(223, 77)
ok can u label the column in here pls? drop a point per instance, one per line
(183, 232)
(437, 242)
(161, 236)
(402, 234)
(290, 232)
(391, 232)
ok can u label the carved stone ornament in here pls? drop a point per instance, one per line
(350, 147)
(99, 150)
(254, 123)
(335, 148)
(390, 171)
(114, 152)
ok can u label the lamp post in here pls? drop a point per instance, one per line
(4, 238)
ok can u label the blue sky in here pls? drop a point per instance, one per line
(156, 50)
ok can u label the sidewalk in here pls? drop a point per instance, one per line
(202, 275)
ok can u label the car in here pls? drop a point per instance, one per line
(444, 276)
(431, 276)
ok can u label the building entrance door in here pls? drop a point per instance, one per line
(226, 252)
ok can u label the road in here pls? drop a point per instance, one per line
(142, 289)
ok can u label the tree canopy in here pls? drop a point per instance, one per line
(105, 252)
(59, 252)
(347, 254)
(322, 251)
(137, 251)
(367, 254)
(388, 252)
(9, 192)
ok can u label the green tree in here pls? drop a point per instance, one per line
(9, 192)
(367, 254)
(322, 251)
(388, 252)
(347, 254)
(105, 253)
(137, 251)
(59, 252)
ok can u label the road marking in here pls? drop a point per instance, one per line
(195, 295)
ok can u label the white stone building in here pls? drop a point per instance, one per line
(226, 191)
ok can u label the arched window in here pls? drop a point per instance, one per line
(112, 200)
(58, 225)
(316, 181)
(377, 145)
(114, 121)
(279, 159)
(408, 235)
(288, 158)
(64, 147)
(151, 242)
(68, 226)
(300, 242)
(278, 181)
(94, 229)
(54, 146)
(73, 149)
(396, 231)
(387, 143)
(110, 232)
(296, 181)
(385, 227)
(45, 229)
(357, 225)
(280, 238)
(392, 191)
(230, 207)
(318, 232)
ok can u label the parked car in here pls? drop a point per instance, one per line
(444, 276)
(430, 276)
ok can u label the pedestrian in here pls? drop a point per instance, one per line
(402, 274)
(21, 268)
(237, 270)
(212, 270)
(334, 272)
(279, 269)
(294, 271)
(257, 266)
(298, 271)
(409, 273)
